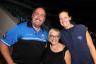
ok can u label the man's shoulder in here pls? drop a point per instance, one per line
(18, 26)
(22, 24)
(44, 29)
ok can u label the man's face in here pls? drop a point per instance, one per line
(38, 17)
(64, 19)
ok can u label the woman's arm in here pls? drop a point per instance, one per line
(67, 57)
(91, 46)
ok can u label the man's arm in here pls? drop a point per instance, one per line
(91, 46)
(6, 53)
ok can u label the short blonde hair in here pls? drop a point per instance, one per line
(53, 29)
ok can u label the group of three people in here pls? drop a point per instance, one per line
(27, 43)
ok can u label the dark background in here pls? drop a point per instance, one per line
(83, 11)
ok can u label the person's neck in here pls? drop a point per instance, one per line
(36, 28)
(54, 45)
(69, 26)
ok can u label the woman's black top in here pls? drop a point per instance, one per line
(51, 57)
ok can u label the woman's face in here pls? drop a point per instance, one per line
(54, 37)
(64, 19)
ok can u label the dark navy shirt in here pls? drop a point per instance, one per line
(27, 44)
(75, 39)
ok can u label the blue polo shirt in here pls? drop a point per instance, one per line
(28, 45)
(22, 31)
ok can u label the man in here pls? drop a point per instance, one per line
(27, 40)
(78, 40)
